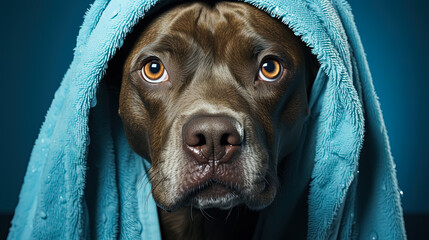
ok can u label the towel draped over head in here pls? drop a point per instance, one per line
(84, 181)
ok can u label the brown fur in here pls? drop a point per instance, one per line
(212, 54)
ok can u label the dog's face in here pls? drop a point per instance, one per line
(214, 96)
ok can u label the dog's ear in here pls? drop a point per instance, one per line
(312, 67)
(115, 67)
(113, 76)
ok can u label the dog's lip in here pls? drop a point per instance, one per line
(214, 194)
(212, 188)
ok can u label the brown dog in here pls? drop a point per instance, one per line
(215, 96)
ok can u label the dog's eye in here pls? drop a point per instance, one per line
(153, 71)
(270, 70)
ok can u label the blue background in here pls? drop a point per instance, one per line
(37, 44)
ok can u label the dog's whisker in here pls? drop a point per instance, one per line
(158, 183)
(149, 179)
(147, 198)
(155, 186)
(145, 181)
(152, 174)
(206, 214)
(266, 180)
(192, 218)
(229, 213)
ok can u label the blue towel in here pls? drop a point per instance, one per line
(353, 192)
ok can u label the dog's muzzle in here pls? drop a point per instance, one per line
(212, 145)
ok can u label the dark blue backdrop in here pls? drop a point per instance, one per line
(38, 38)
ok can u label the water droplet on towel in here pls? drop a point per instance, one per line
(103, 218)
(139, 226)
(34, 170)
(62, 199)
(401, 193)
(115, 11)
(42, 140)
(43, 215)
(93, 102)
(373, 235)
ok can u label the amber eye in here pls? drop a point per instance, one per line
(270, 70)
(153, 71)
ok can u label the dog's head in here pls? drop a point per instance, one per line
(214, 96)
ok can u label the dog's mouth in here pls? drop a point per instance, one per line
(214, 194)
(222, 195)
(210, 194)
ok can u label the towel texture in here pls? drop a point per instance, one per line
(83, 180)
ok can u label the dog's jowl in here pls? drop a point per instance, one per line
(215, 97)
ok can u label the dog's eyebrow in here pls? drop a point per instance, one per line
(170, 44)
(262, 47)
(257, 49)
(259, 45)
(164, 44)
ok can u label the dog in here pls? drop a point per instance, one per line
(215, 96)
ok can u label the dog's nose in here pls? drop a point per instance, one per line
(215, 138)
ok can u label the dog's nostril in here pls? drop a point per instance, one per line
(224, 140)
(194, 140)
(201, 140)
(230, 139)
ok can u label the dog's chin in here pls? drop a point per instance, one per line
(215, 196)
(223, 197)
